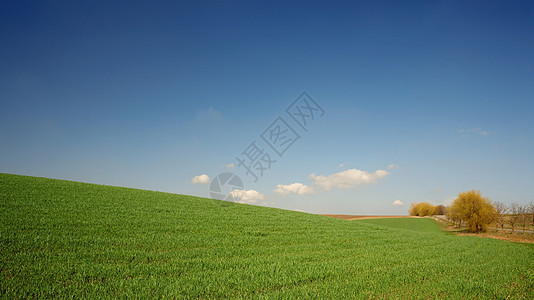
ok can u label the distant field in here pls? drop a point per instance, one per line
(414, 224)
(61, 239)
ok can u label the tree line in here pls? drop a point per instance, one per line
(477, 212)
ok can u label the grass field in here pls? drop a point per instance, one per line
(71, 240)
(412, 224)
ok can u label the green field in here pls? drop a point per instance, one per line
(412, 224)
(71, 240)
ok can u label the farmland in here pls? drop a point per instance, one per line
(420, 225)
(69, 240)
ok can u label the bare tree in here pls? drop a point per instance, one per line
(515, 215)
(440, 210)
(523, 216)
(531, 214)
(500, 217)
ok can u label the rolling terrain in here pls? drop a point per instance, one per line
(69, 240)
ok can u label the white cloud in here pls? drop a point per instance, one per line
(393, 167)
(230, 166)
(201, 179)
(247, 196)
(349, 179)
(296, 188)
(473, 131)
(341, 165)
(397, 203)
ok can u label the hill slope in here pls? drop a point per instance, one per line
(69, 239)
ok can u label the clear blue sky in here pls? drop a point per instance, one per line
(440, 95)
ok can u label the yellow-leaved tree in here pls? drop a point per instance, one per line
(421, 209)
(476, 211)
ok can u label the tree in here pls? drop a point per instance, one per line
(414, 209)
(475, 210)
(513, 220)
(440, 210)
(531, 212)
(454, 215)
(523, 216)
(500, 217)
(421, 209)
(426, 209)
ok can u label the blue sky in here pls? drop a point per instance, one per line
(422, 100)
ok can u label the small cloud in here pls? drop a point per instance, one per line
(247, 196)
(230, 166)
(472, 131)
(397, 203)
(392, 167)
(341, 165)
(201, 179)
(295, 188)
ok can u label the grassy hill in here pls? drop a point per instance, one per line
(69, 239)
